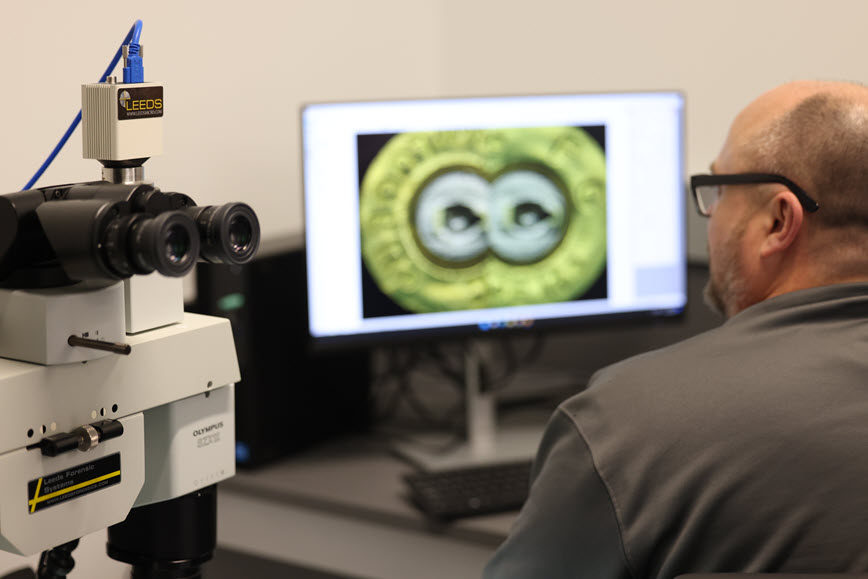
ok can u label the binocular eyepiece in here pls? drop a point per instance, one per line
(228, 233)
(137, 243)
(113, 231)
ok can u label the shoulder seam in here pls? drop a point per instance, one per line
(615, 511)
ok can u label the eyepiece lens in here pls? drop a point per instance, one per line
(177, 243)
(167, 243)
(227, 233)
(240, 233)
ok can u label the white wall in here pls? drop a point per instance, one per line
(237, 73)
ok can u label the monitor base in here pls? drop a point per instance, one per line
(486, 442)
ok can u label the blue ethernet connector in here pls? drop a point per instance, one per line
(134, 71)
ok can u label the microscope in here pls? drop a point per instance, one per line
(118, 406)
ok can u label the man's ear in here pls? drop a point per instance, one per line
(785, 218)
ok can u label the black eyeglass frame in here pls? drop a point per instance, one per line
(807, 202)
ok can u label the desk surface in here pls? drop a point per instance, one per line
(361, 479)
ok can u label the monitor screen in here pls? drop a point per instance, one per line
(425, 218)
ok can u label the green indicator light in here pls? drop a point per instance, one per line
(230, 302)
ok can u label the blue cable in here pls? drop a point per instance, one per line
(136, 32)
(133, 71)
(132, 36)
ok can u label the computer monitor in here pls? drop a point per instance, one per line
(437, 217)
(443, 217)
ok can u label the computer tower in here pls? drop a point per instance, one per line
(289, 397)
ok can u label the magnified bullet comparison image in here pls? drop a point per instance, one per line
(460, 220)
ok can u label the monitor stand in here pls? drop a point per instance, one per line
(486, 442)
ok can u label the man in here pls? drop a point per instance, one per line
(744, 448)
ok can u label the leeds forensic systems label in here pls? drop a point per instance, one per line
(72, 483)
(140, 103)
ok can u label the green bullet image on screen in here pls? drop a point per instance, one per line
(457, 220)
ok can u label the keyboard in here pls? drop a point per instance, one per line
(468, 491)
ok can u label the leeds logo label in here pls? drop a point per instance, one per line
(130, 104)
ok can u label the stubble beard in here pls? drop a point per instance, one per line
(726, 291)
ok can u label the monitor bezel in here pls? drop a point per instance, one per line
(543, 325)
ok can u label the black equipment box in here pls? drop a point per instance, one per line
(289, 397)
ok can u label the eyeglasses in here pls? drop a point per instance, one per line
(706, 189)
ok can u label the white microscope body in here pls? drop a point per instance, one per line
(114, 398)
(173, 395)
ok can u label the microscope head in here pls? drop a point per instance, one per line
(58, 236)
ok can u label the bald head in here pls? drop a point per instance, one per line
(816, 134)
(754, 121)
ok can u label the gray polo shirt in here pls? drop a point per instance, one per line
(742, 449)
